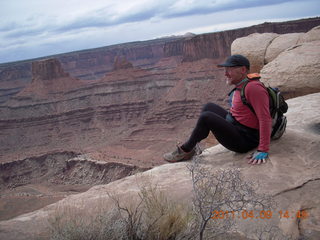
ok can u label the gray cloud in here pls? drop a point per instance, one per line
(23, 33)
(163, 10)
(105, 17)
(64, 30)
(206, 7)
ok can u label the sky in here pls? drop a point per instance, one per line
(37, 28)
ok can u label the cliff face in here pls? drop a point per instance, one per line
(218, 45)
(13, 78)
(95, 63)
(125, 108)
(48, 70)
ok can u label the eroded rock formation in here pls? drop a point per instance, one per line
(296, 70)
(48, 80)
(121, 109)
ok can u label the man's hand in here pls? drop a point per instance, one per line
(257, 157)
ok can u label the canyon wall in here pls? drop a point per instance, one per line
(63, 112)
(126, 103)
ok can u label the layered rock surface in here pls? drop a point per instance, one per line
(117, 114)
(291, 176)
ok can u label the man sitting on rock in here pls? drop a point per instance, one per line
(239, 130)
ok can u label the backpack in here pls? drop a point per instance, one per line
(277, 107)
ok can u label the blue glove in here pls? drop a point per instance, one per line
(258, 157)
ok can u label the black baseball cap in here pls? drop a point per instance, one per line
(236, 60)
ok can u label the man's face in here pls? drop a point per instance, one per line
(235, 74)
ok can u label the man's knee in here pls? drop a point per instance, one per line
(207, 117)
(209, 107)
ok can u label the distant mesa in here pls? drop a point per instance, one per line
(48, 69)
(48, 77)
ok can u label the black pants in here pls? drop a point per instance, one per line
(228, 131)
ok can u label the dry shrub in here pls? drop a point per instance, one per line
(153, 216)
(77, 223)
(221, 190)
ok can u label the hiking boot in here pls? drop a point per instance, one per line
(179, 155)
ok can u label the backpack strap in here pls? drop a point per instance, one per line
(234, 89)
(246, 80)
(243, 97)
(251, 77)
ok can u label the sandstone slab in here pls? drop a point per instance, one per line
(312, 35)
(280, 44)
(296, 70)
(254, 48)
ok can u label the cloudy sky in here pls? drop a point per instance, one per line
(35, 28)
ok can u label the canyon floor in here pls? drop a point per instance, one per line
(38, 181)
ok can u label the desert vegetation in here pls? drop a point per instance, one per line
(149, 216)
(153, 215)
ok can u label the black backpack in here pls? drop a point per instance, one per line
(277, 106)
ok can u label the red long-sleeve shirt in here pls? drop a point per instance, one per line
(258, 97)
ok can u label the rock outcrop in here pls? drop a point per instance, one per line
(48, 69)
(295, 71)
(280, 44)
(291, 176)
(48, 80)
(310, 36)
(254, 48)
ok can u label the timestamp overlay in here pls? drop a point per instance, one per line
(259, 215)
